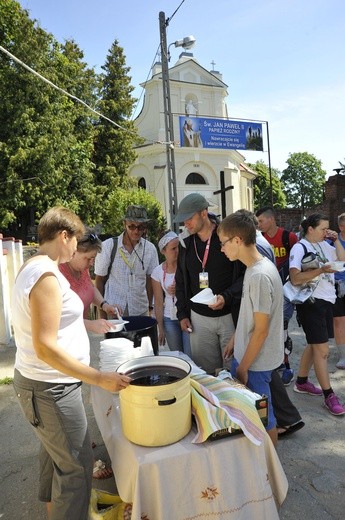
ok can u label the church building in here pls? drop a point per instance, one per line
(194, 93)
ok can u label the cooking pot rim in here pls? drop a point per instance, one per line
(145, 361)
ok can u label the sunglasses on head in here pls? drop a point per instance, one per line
(91, 237)
(133, 227)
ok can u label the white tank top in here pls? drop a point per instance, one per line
(72, 335)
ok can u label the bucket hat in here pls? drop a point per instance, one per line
(136, 214)
(190, 205)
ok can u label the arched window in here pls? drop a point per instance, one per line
(195, 178)
(142, 183)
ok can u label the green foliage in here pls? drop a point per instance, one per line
(117, 204)
(303, 181)
(6, 381)
(113, 146)
(53, 150)
(46, 139)
(262, 187)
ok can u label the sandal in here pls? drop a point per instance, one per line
(100, 471)
(287, 430)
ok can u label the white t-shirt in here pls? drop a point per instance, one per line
(126, 285)
(169, 301)
(325, 289)
(262, 292)
(72, 335)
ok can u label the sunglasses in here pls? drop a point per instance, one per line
(91, 237)
(133, 227)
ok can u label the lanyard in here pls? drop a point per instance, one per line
(204, 260)
(164, 277)
(320, 253)
(126, 261)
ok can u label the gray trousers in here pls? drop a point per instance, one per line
(56, 413)
(209, 339)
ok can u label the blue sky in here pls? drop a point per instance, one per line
(283, 61)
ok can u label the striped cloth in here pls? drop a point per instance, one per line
(216, 405)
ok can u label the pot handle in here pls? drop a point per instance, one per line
(166, 402)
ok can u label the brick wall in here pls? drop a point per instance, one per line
(332, 206)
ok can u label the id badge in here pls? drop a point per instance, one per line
(203, 280)
(131, 280)
(173, 313)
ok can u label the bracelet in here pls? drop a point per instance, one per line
(103, 303)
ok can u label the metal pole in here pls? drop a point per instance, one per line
(168, 122)
(269, 163)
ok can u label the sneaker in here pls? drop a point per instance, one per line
(287, 376)
(307, 388)
(333, 405)
(341, 364)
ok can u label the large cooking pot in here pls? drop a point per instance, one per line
(138, 327)
(156, 406)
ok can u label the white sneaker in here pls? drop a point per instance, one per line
(341, 364)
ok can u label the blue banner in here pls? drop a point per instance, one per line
(200, 132)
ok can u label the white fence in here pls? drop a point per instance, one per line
(11, 259)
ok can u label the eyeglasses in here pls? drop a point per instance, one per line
(91, 237)
(133, 227)
(222, 244)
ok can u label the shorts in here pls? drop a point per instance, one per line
(259, 382)
(316, 320)
(339, 308)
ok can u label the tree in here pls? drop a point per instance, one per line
(303, 181)
(118, 202)
(113, 147)
(262, 187)
(46, 139)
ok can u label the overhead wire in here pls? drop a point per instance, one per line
(75, 98)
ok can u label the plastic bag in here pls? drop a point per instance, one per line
(297, 294)
(106, 506)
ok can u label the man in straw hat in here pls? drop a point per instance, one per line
(123, 268)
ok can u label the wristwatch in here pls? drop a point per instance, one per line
(103, 303)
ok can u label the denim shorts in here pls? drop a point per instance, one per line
(259, 382)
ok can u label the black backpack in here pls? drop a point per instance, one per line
(284, 268)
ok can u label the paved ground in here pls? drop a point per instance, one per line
(313, 458)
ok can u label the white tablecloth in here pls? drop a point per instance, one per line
(228, 479)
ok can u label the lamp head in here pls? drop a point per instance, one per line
(187, 42)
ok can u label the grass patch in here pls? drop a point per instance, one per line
(6, 381)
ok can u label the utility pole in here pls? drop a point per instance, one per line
(168, 122)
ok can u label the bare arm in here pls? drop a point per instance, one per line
(149, 289)
(298, 277)
(45, 306)
(100, 283)
(340, 250)
(257, 339)
(159, 308)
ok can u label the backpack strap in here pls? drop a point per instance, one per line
(112, 256)
(286, 240)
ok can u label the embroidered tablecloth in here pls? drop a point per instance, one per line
(226, 479)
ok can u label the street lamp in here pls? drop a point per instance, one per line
(186, 43)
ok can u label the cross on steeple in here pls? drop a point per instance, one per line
(213, 64)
